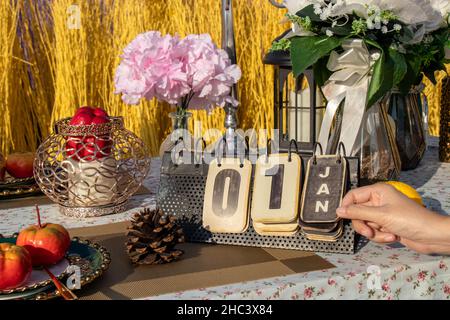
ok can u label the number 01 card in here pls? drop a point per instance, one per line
(276, 189)
(225, 207)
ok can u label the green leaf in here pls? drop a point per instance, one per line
(406, 35)
(414, 64)
(382, 79)
(321, 72)
(373, 43)
(306, 51)
(342, 30)
(400, 66)
(308, 11)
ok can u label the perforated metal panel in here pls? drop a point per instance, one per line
(181, 193)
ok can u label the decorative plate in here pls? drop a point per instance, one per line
(38, 278)
(18, 188)
(24, 295)
(92, 259)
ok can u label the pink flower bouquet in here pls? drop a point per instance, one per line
(190, 72)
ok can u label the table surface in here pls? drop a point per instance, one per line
(374, 272)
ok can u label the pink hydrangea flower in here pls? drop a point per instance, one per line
(190, 72)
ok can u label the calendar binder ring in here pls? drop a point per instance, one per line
(197, 159)
(222, 148)
(268, 149)
(341, 152)
(317, 145)
(247, 143)
(222, 145)
(293, 142)
(184, 149)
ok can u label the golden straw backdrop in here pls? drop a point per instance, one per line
(50, 65)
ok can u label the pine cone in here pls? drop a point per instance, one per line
(152, 238)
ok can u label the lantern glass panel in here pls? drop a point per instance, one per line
(296, 110)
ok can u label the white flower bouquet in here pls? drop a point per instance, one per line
(405, 39)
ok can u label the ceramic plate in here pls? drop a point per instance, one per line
(38, 278)
(92, 259)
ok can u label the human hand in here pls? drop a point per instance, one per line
(383, 214)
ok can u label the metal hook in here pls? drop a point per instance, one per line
(196, 159)
(341, 152)
(222, 145)
(247, 143)
(290, 149)
(268, 149)
(317, 144)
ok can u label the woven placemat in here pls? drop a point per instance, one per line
(202, 266)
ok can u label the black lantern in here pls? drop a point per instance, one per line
(299, 104)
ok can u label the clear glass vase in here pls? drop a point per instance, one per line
(376, 146)
(406, 111)
(180, 120)
(180, 131)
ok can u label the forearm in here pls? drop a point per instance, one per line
(446, 230)
(436, 236)
(440, 230)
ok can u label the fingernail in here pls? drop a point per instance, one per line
(341, 211)
(390, 238)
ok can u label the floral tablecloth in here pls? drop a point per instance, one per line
(374, 272)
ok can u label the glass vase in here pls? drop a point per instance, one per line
(180, 131)
(180, 120)
(406, 111)
(376, 147)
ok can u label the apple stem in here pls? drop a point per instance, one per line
(38, 216)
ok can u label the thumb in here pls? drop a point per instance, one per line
(361, 212)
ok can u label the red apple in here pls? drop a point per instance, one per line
(99, 112)
(20, 165)
(96, 148)
(15, 266)
(72, 146)
(100, 120)
(2, 167)
(89, 148)
(85, 109)
(47, 243)
(83, 116)
(81, 119)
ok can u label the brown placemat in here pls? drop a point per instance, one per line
(202, 266)
(42, 199)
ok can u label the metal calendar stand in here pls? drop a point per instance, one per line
(181, 193)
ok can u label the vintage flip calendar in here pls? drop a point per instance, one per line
(282, 201)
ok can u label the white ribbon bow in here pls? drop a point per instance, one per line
(350, 81)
